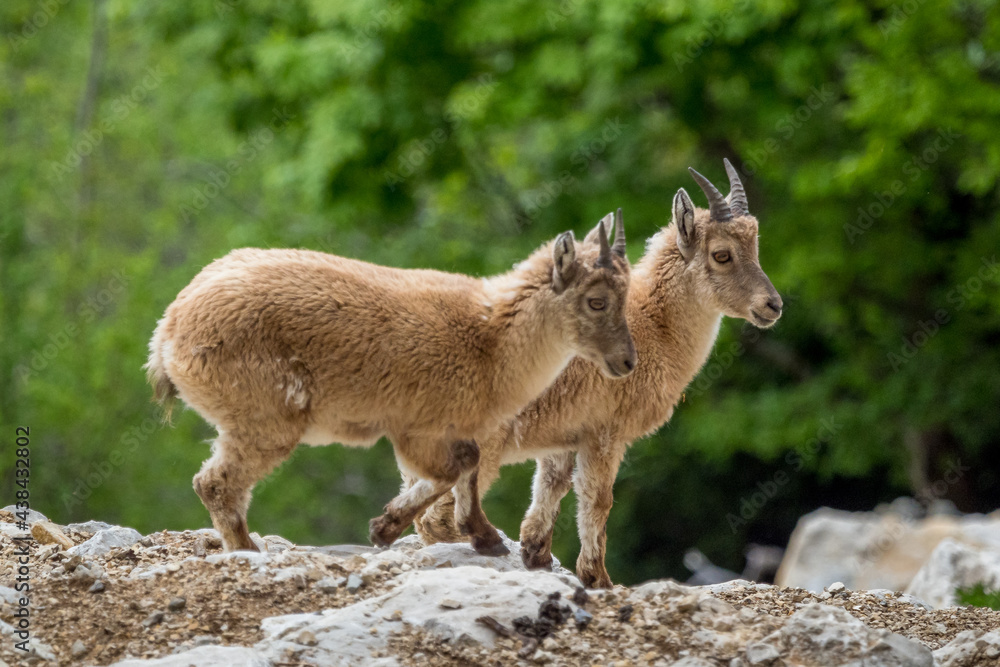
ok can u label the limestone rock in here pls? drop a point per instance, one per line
(205, 656)
(954, 565)
(351, 633)
(105, 540)
(46, 532)
(971, 647)
(33, 516)
(820, 634)
(867, 550)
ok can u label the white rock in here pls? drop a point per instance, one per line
(205, 656)
(953, 565)
(105, 540)
(33, 516)
(866, 550)
(819, 634)
(346, 633)
(967, 646)
(90, 527)
(10, 596)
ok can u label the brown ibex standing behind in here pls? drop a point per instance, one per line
(281, 347)
(698, 269)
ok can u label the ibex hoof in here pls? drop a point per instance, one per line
(536, 557)
(489, 546)
(383, 531)
(595, 579)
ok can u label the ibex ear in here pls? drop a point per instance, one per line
(684, 219)
(609, 223)
(563, 261)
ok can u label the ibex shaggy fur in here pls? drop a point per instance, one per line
(698, 269)
(280, 347)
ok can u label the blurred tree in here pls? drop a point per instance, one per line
(142, 140)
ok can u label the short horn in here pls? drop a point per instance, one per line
(737, 195)
(604, 259)
(619, 245)
(718, 209)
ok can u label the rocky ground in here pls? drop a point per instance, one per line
(108, 595)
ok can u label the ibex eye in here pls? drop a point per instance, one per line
(596, 304)
(721, 257)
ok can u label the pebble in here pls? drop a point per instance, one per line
(153, 619)
(46, 532)
(78, 649)
(448, 603)
(97, 587)
(761, 654)
(354, 583)
(306, 638)
(582, 618)
(177, 604)
(835, 587)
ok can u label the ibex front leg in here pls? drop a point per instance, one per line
(595, 479)
(470, 519)
(553, 480)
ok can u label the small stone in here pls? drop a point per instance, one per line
(330, 584)
(46, 532)
(580, 597)
(78, 649)
(153, 619)
(582, 618)
(204, 640)
(97, 587)
(448, 603)
(542, 657)
(550, 643)
(760, 653)
(835, 587)
(173, 567)
(306, 638)
(354, 583)
(177, 604)
(625, 613)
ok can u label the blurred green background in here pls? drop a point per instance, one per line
(139, 141)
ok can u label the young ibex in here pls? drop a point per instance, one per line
(281, 347)
(698, 269)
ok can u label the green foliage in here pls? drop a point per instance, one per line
(977, 596)
(142, 140)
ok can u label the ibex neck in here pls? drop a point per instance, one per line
(530, 347)
(675, 305)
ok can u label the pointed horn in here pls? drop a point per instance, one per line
(605, 257)
(737, 195)
(717, 207)
(619, 245)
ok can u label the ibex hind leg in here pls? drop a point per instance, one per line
(471, 520)
(438, 469)
(437, 524)
(226, 481)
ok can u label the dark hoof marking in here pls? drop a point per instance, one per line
(383, 531)
(536, 558)
(595, 580)
(489, 548)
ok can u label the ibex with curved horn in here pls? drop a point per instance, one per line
(696, 270)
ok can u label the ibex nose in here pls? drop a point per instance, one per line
(775, 303)
(629, 364)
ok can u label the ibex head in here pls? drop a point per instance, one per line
(597, 287)
(720, 247)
